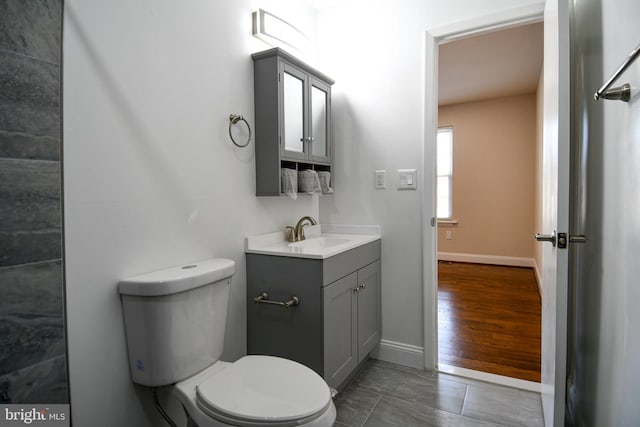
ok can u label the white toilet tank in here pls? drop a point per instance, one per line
(175, 320)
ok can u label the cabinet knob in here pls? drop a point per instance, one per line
(359, 288)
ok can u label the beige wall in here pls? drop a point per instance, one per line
(537, 248)
(494, 170)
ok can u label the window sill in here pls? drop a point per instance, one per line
(448, 222)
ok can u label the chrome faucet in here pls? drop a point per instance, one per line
(297, 233)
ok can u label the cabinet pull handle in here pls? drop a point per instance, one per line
(263, 298)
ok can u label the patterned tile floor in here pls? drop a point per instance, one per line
(384, 394)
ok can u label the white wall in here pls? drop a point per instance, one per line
(618, 350)
(375, 51)
(151, 177)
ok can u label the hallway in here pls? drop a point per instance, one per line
(489, 319)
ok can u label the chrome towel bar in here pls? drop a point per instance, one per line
(263, 298)
(622, 93)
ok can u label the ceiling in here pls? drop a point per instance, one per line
(500, 63)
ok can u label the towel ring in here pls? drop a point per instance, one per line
(233, 119)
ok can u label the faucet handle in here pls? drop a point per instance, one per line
(291, 235)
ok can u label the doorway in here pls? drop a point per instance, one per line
(453, 226)
(555, 190)
(489, 307)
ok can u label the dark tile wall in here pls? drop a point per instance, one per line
(32, 334)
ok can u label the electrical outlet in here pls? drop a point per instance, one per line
(448, 235)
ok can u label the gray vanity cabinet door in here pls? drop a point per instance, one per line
(369, 319)
(340, 329)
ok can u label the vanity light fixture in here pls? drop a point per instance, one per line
(277, 32)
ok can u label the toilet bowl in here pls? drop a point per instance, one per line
(175, 323)
(257, 391)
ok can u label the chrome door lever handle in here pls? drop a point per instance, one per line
(546, 238)
(561, 239)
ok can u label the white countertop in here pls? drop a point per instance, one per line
(322, 241)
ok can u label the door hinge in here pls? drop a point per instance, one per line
(433, 221)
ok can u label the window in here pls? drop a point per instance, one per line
(444, 169)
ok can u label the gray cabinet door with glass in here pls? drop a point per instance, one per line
(305, 115)
(293, 118)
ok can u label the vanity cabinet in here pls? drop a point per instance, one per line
(292, 118)
(338, 319)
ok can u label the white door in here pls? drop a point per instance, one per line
(555, 205)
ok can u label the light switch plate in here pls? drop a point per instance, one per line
(380, 179)
(407, 179)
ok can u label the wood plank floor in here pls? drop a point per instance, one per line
(489, 319)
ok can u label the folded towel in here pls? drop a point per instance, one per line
(309, 182)
(289, 182)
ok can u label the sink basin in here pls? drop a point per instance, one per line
(319, 243)
(323, 241)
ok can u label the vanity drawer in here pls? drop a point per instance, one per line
(340, 265)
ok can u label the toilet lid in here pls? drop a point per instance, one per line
(264, 389)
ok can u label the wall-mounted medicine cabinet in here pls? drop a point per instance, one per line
(292, 118)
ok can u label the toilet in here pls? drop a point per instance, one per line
(175, 325)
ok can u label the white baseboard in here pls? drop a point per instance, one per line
(487, 259)
(399, 353)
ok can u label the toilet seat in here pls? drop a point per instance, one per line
(264, 390)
